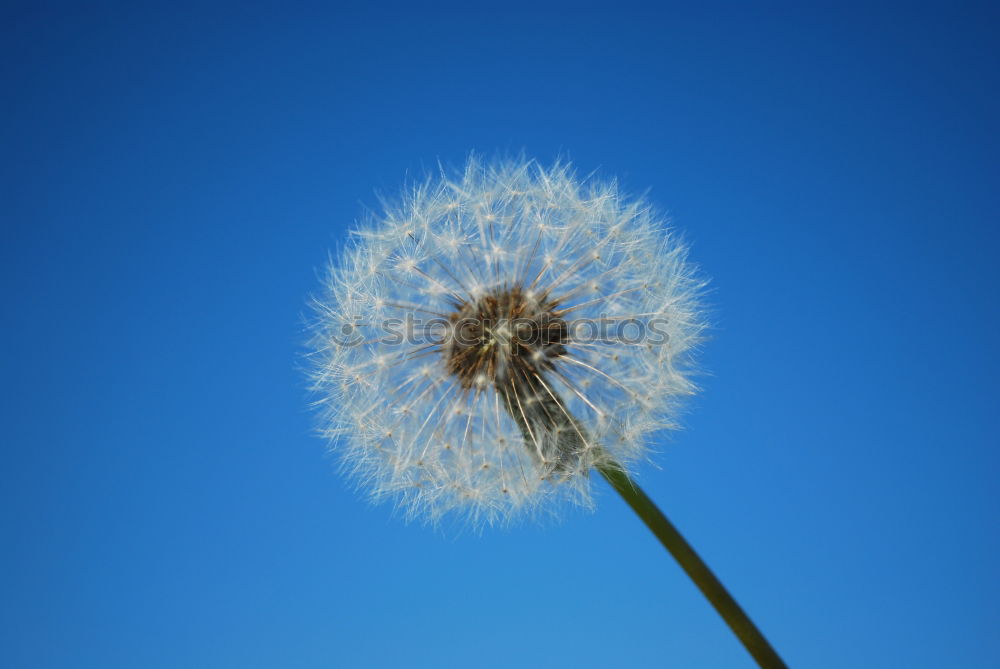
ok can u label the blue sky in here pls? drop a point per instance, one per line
(174, 176)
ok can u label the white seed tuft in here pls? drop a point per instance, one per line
(470, 412)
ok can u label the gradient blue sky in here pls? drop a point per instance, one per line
(172, 179)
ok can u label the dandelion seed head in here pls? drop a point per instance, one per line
(472, 351)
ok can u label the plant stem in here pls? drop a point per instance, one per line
(696, 569)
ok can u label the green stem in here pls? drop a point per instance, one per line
(696, 569)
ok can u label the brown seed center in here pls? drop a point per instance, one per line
(506, 336)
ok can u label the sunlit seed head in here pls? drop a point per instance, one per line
(506, 401)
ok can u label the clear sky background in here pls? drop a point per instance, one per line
(172, 179)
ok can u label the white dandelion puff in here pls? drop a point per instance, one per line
(485, 342)
(494, 336)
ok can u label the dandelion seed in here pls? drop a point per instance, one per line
(523, 388)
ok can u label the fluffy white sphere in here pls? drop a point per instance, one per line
(487, 340)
